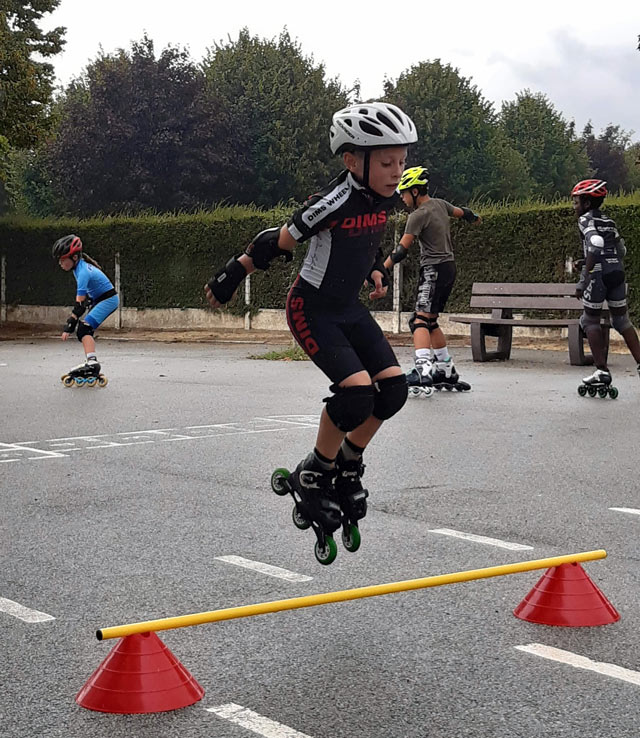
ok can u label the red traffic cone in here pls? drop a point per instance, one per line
(565, 595)
(139, 675)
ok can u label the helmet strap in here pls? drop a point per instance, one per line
(365, 171)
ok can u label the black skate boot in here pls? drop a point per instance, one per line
(352, 499)
(444, 376)
(598, 383)
(314, 494)
(419, 379)
(86, 373)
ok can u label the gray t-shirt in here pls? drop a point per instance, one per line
(430, 225)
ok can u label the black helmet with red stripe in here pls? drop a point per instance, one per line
(66, 246)
(591, 187)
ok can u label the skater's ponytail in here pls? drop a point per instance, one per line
(91, 261)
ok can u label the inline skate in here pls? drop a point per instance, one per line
(445, 377)
(352, 499)
(419, 379)
(598, 383)
(86, 373)
(316, 506)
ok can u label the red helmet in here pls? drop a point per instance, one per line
(593, 187)
(66, 246)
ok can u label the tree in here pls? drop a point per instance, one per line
(632, 159)
(546, 141)
(26, 86)
(138, 132)
(281, 106)
(607, 155)
(457, 134)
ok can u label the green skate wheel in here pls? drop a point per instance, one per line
(613, 392)
(67, 381)
(592, 391)
(351, 538)
(326, 554)
(603, 392)
(582, 390)
(299, 519)
(277, 481)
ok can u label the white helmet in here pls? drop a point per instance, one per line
(371, 125)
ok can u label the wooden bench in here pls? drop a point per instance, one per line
(504, 298)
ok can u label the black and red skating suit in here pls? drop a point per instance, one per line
(606, 280)
(344, 224)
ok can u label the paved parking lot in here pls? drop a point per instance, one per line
(151, 498)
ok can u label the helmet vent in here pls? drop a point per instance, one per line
(368, 128)
(387, 122)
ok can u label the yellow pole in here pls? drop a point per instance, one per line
(245, 611)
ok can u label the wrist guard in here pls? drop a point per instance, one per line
(469, 215)
(70, 325)
(378, 266)
(79, 308)
(225, 282)
(264, 249)
(398, 254)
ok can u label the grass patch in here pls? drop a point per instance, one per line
(293, 353)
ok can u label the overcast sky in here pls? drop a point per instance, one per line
(582, 55)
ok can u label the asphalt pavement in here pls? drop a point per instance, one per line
(151, 498)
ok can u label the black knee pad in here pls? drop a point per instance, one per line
(414, 326)
(349, 407)
(432, 324)
(84, 329)
(390, 396)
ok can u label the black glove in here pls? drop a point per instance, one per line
(469, 215)
(70, 325)
(225, 282)
(378, 266)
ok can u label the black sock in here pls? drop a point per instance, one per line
(322, 461)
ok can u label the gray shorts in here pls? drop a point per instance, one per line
(610, 287)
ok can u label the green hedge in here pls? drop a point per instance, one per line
(165, 260)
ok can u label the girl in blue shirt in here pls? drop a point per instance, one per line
(94, 289)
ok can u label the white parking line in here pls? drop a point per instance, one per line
(58, 448)
(581, 662)
(21, 447)
(23, 613)
(272, 571)
(481, 539)
(254, 722)
(629, 510)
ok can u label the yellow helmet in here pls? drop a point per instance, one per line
(413, 177)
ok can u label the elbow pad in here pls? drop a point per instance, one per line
(398, 254)
(596, 243)
(469, 215)
(264, 249)
(79, 308)
(226, 281)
